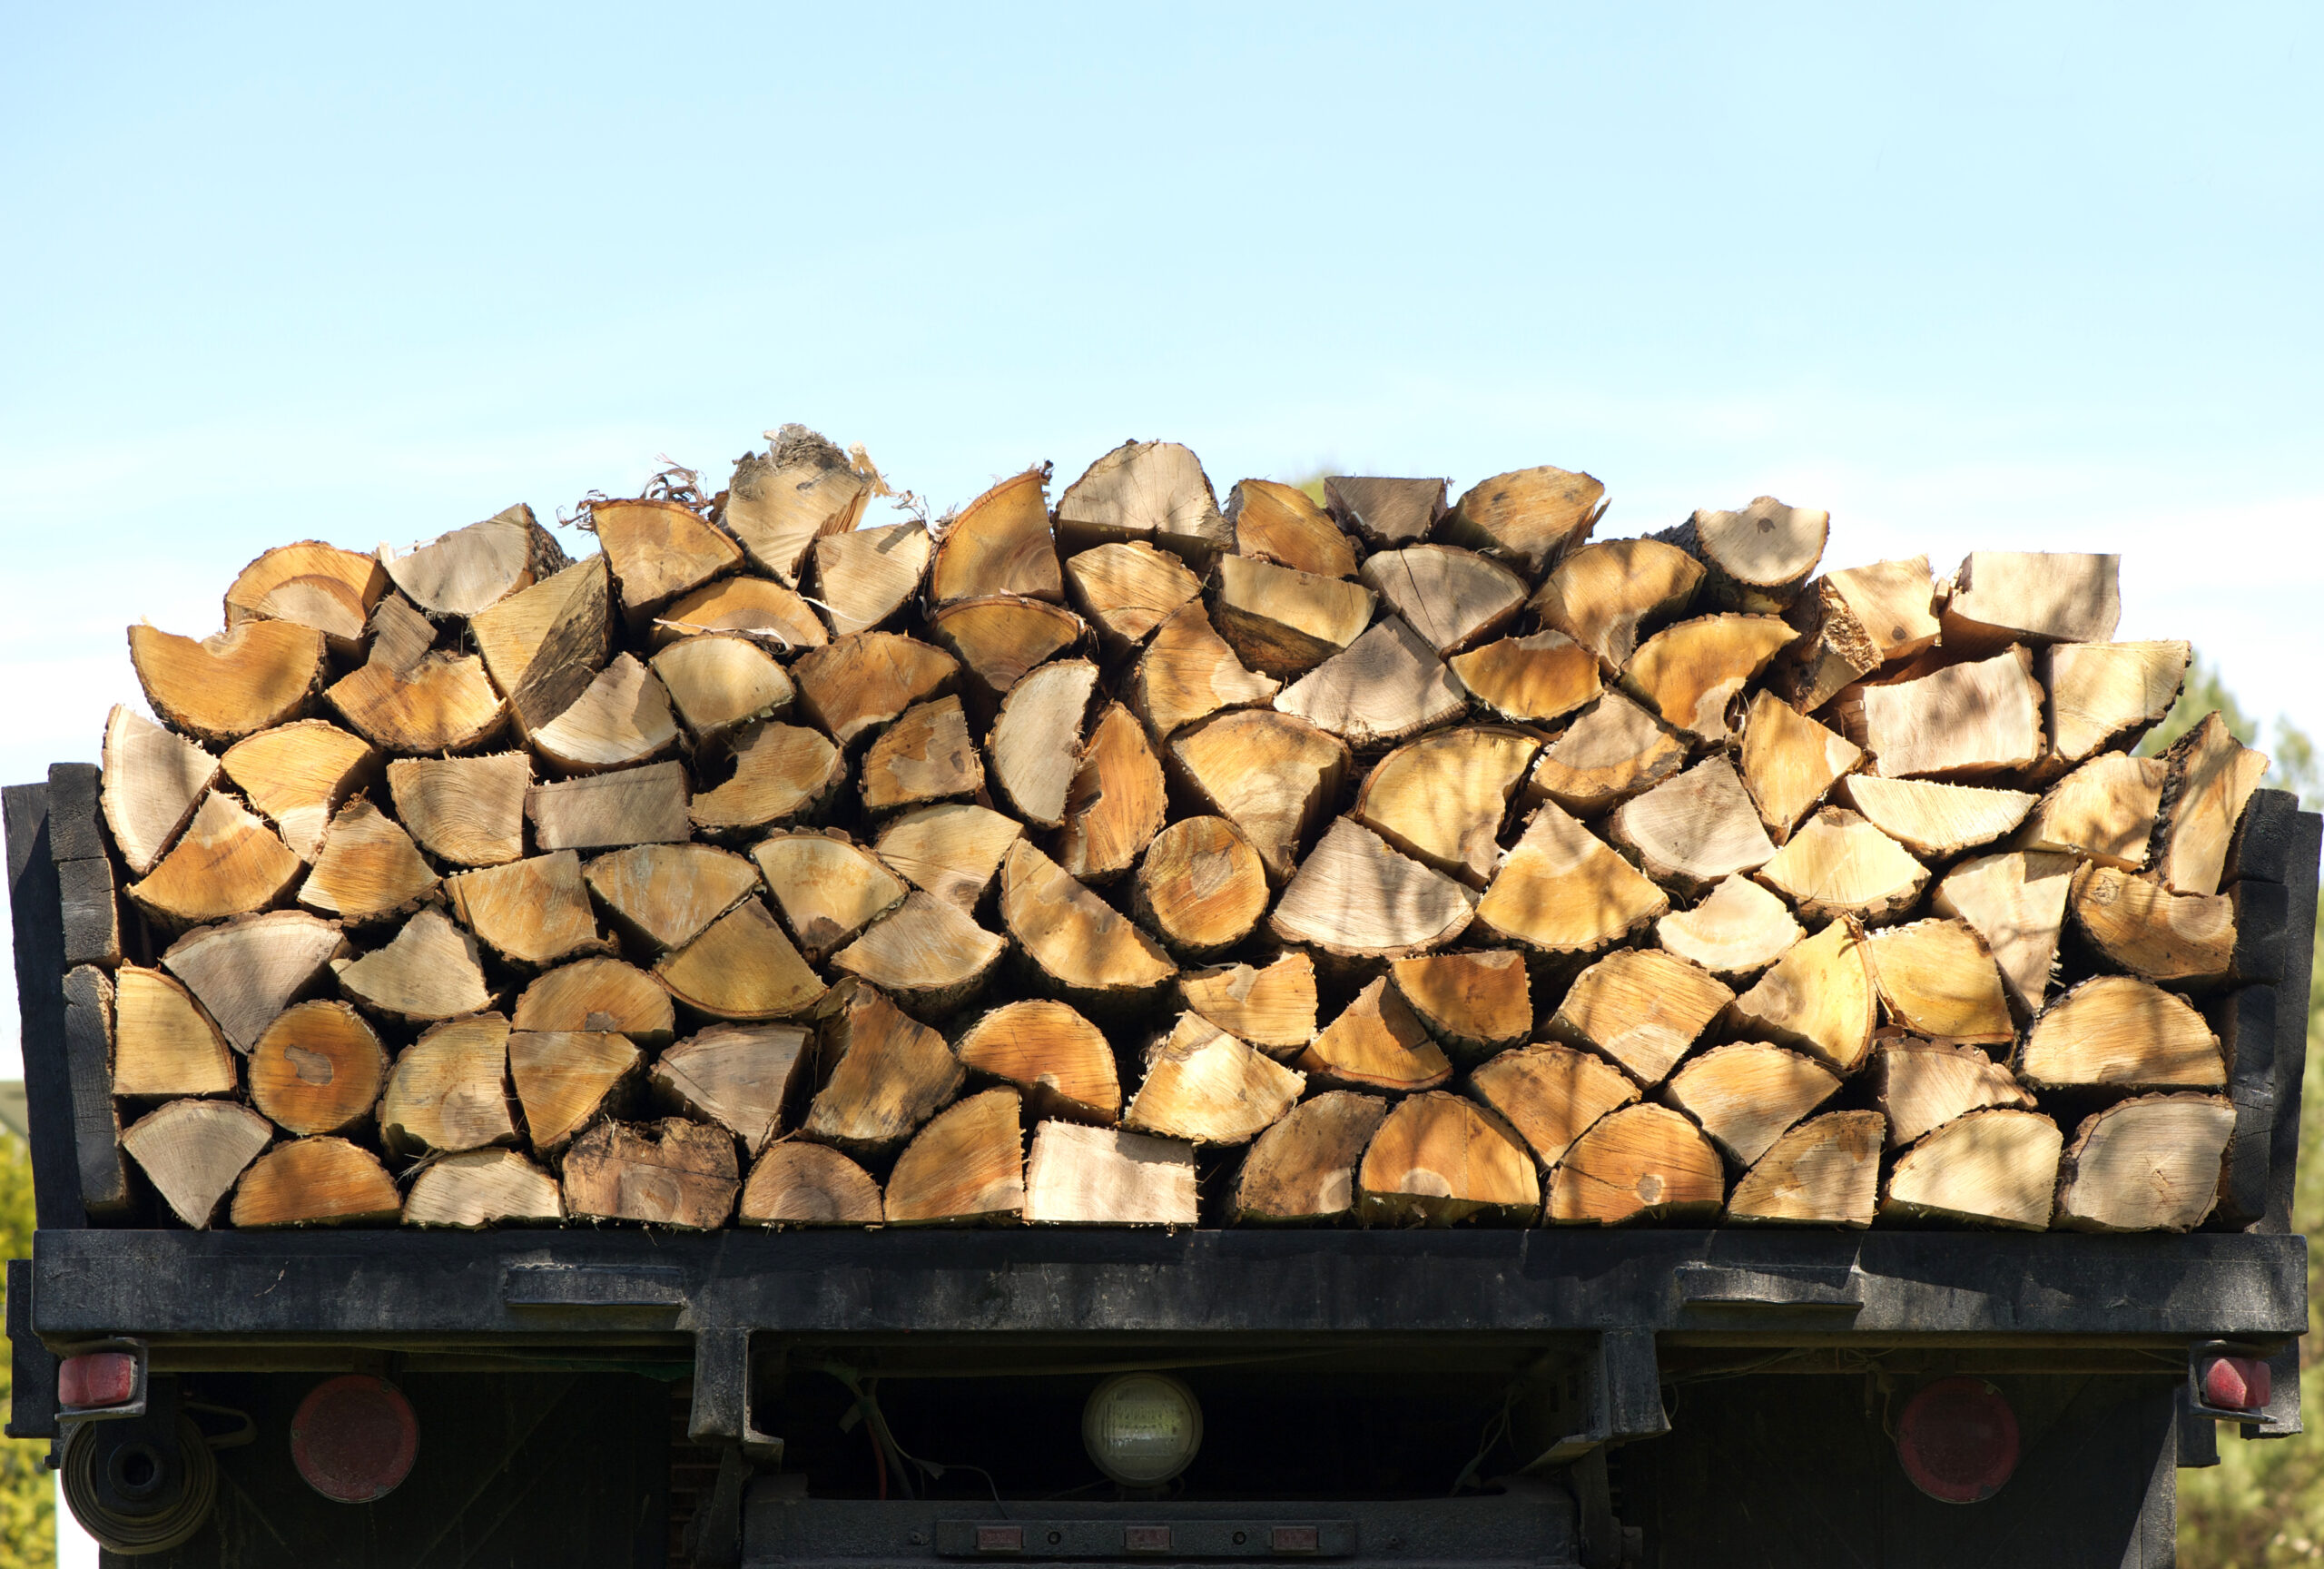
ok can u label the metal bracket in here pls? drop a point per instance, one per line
(721, 1413)
(32, 1393)
(1611, 1394)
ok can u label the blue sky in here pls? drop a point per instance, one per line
(1968, 277)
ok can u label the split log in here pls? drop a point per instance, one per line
(597, 995)
(1739, 930)
(1606, 596)
(1824, 1172)
(314, 1182)
(1000, 639)
(866, 576)
(718, 685)
(1642, 1008)
(1550, 1095)
(1272, 1006)
(2105, 811)
(1056, 1059)
(666, 894)
(953, 851)
(1938, 979)
(1791, 762)
(481, 1189)
(1692, 830)
(1387, 513)
(754, 607)
(740, 967)
(234, 684)
(1612, 752)
(2124, 1032)
(162, 1044)
(467, 810)
(1273, 776)
(153, 780)
(1562, 890)
(1383, 688)
(1922, 1085)
(542, 645)
(1454, 599)
(468, 569)
(1758, 555)
(673, 1173)
(1302, 1170)
(227, 863)
(1438, 1161)
(890, 1074)
(193, 1151)
(659, 550)
(448, 1089)
(740, 1077)
(1118, 801)
(297, 776)
(1990, 1168)
(1530, 679)
(1746, 1096)
(1376, 1043)
(1642, 1162)
(443, 704)
(827, 889)
(1188, 673)
(2017, 903)
(1128, 590)
(1474, 1004)
(2148, 1164)
(1855, 621)
(243, 972)
(1819, 997)
(1894, 602)
(1075, 940)
(367, 868)
(1284, 623)
(1105, 1177)
(1000, 544)
(533, 912)
(781, 501)
(1205, 1086)
(401, 637)
(2102, 695)
(1036, 743)
(858, 684)
(430, 971)
(314, 583)
(783, 774)
(1933, 820)
(1354, 897)
(808, 1185)
(1840, 864)
(2137, 924)
(2057, 598)
(1689, 673)
(967, 1165)
(2211, 778)
(1152, 490)
(1965, 720)
(927, 955)
(622, 718)
(1279, 523)
(566, 1078)
(1532, 516)
(1201, 888)
(925, 756)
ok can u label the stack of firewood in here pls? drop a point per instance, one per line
(1138, 861)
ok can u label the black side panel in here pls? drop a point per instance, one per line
(1773, 1472)
(35, 908)
(566, 1469)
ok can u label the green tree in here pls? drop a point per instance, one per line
(27, 1490)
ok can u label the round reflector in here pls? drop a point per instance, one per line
(1958, 1440)
(1142, 1428)
(354, 1438)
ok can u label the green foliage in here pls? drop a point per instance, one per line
(2203, 692)
(27, 1490)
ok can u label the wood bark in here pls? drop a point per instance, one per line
(315, 1182)
(1376, 1043)
(1531, 517)
(1855, 621)
(1280, 523)
(1200, 888)
(1438, 1159)
(297, 775)
(967, 1165)
(1550, 1095)
(1640, 1162)
(1000, 544)
(890, 1074)
(1207, 1088)
(318, 1068)
(2146, 1164)
(1738, 931)
(1059, 1062)
(448, 1091)
(1824, 1172)
(2121, 1032)
(1531, 680)
(1990, 1168)
(1922, 1085)
(739, 1077)
(1106, 1176)
(1642, 1008)
(673, 1173)
(1563, 890)
(1356, 897)
(470, 811)
(192, 1151)
(1748, 1095)
(808, 1185)
(1302, 1170)
(1819, 997)
(1273, 776)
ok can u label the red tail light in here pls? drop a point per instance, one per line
(95, 1379)
(1958, 1440)
(354, 1438)
(2238, 1383)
